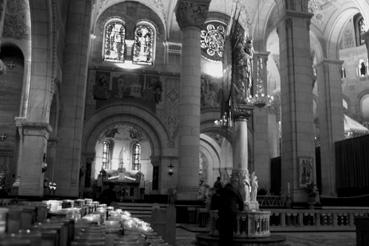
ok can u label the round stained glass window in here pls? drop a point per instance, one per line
(212, 40)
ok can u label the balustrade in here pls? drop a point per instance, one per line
(292, 220)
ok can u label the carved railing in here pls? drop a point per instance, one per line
(315, 219)
(249, 224)
(256, 225)
(269, 201)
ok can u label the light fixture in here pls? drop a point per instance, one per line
(170, 169)
(3, 137)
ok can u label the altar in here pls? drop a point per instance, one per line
(127, 185)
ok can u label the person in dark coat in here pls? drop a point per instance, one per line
(230, 203)
(108, 195)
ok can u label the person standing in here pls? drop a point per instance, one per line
(230, 203)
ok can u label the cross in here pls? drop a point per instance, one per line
(3, 137)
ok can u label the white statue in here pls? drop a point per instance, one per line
(247, 187)
(254, 187)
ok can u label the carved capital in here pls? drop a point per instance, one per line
(192, 12)
(38, 129)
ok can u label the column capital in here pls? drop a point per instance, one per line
(27, 128)
(192, 12)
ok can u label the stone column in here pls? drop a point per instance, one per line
(191, 15)
(32, 147)
(260, 117)
(298, 149)
(330, 120)
(240, 145)
(73, 94)
(2, 17)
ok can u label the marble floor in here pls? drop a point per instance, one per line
(187, 238)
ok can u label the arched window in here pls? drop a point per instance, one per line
(106, 156)
(362, 68)
(360, 29)
(144, 43)
(114, 36)
(136, 156)
(343, 72)
(364, 106)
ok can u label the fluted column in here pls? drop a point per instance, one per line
(190, 14)
(298, 149)
(330, 120)
(260, 117)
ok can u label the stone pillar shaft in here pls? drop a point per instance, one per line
(298, 149)
(32, 147)
(330, 120)
(73, 93)
(261, 164)
(190, 15)
(240, 148)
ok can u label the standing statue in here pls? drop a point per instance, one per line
(247, 188)
(254, 187)
(242, 79)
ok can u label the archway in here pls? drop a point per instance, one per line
(114, 123)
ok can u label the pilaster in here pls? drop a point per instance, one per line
(190, 14)
(297, 149)
(32, 147)
(330, 120)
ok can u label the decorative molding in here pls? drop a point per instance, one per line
(192, 12)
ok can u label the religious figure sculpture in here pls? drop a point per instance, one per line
(247, 187)
(254, 187)
(242, 83)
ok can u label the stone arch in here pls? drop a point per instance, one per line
(155, 5)
(131, 114)
(211, 150)
(335, 33)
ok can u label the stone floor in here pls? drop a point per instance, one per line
(187, 238)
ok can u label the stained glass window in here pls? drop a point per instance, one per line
(106, 156)
(212, 40)
(114, 36)
(136, 157)
(143, 44)
(360, 29)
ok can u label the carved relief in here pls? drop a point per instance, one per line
(192, 12)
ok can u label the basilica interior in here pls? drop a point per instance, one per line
(133, 93)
